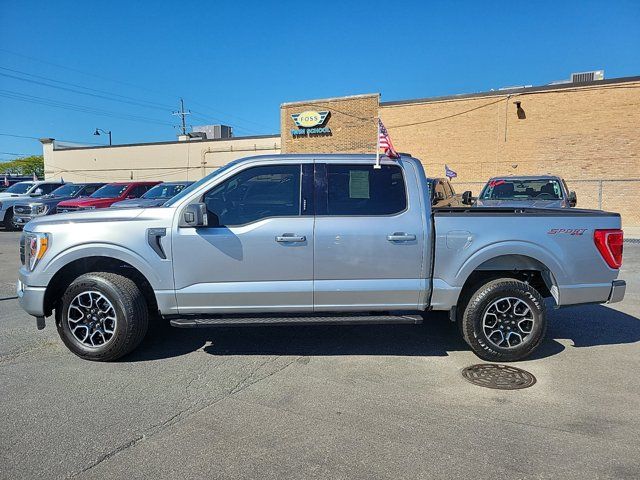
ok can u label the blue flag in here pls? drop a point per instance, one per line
(449, 173)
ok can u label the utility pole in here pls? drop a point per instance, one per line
(182, 113)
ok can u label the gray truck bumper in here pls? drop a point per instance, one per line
(31, 299)
(618, 289)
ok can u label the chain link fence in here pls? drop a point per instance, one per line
(610, 195)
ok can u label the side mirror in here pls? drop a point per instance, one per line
(193, 216)
(438, 196)
(467, 198)
(573, 199)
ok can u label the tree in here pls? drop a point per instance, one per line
(24, 166)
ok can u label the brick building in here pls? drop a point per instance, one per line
(587, 132)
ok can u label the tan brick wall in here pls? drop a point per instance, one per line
(352, 123)
(587, 133)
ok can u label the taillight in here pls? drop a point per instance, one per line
(609, 244)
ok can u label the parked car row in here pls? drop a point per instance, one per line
(24, 201)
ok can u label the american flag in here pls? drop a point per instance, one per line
(384, 142)
(449, 173)
(35, 179)
(6, 180)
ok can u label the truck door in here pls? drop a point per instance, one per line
(256, 255)
(369, 238)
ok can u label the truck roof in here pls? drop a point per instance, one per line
(527, 177)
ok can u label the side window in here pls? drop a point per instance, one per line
(48, 188)
(254, 194)
(448, 189)
(138, 191)
(439, 191)
(363, 190)
(89, 189)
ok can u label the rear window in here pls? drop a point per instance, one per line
(522, 189)
(362, 190)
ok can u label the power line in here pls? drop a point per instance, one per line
(145, 88)
(75, 107)
(101, 94)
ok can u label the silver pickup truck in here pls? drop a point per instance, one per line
(314, 239)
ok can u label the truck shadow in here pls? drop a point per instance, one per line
(585, 326)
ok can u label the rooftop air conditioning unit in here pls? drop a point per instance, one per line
(592, 76)
(214, 132)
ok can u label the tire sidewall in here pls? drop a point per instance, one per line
(480, 302)
(92, 283)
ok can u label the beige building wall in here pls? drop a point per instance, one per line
(166, 161)
(590, 135)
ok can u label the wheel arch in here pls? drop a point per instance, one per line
(68, 272)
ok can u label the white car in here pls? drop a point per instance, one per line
(18, 192)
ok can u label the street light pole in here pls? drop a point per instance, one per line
(98, 130)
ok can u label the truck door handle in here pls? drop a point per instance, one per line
(401, 237)
(290, 238)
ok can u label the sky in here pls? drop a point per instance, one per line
(69, 67)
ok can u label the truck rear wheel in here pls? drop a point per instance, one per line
(504, 320)
(102, 316)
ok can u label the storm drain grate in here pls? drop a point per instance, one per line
(501, 377)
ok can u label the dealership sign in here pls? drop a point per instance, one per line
(310, 122)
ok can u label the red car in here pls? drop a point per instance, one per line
(105, 196)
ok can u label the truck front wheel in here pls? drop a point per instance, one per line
(102, 316)
(504, 320)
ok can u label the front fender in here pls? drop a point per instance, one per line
(108, 250)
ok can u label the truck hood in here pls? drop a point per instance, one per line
(50, 201)
(4, 195)
(89, 202)
(140, 203)
(521, 203)
(88, 216)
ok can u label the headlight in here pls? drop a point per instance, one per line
(42, 209)
(88, 208)
(33, 246)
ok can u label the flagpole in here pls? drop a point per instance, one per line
(377, 165)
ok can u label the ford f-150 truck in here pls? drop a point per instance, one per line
(17, 193)
(46, 205)
(314, 239)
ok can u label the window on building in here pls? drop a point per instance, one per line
(254, 194)
(363, 190)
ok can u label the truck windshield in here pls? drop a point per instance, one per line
(520, 189)
(19, 188)
(68, 190)
(113, 190)
(164, 191)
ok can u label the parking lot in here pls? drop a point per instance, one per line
(320, 402)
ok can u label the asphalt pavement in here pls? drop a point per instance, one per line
(326, 402)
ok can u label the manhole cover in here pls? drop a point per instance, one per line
(501, 377)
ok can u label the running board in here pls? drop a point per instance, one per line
(292, 319)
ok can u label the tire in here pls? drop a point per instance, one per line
(504, 320)
(8, 220)
(89, 306)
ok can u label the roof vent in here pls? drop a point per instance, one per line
(592, 76)
(214, 132)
